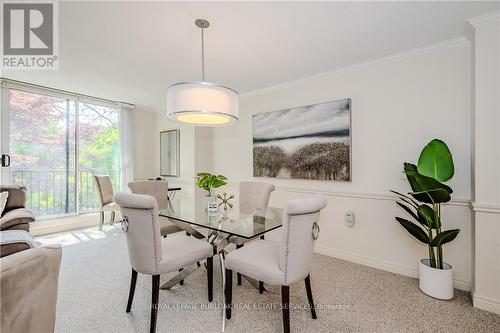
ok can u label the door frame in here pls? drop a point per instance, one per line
(5, 86)
(4, 131)
(6, 140)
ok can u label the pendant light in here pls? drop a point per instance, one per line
(201, 102)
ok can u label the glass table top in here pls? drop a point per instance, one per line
(231, 221)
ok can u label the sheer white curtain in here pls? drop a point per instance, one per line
(126, 146)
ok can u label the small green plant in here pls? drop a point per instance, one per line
(423, 204)
(208, 181)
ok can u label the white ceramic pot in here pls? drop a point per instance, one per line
(437, 283)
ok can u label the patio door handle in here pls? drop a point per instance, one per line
(5, 160)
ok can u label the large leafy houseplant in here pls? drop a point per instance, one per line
(423, 204)
(208, 181)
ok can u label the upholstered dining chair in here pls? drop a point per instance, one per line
(151, 254)
(104, 189)
(254, 197)
(284, 262)
(159, 190)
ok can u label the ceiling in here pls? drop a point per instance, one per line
(132, 51)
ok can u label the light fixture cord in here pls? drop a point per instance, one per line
(202, 56)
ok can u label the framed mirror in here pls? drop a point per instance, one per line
(169, 153)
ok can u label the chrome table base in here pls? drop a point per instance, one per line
(219, 241)
(179, 277)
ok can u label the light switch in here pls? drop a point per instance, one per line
(349, 219)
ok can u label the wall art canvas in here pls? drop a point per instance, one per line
(309, 142)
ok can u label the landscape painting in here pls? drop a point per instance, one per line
(309, 142)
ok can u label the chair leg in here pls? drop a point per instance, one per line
(112, 219)
(229, 292)
(285, 301)
(310, 296)
(238, 274)
(154, 302)
(133, 282)
(182, 281)
(261, 284)
(101, 222)
(210, 277)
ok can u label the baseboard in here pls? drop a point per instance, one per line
(486, 304)
(382, 265)
(375, 263)
(50, 227)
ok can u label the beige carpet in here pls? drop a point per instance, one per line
(95, 277)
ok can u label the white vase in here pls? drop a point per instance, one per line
(207, 199)
(437, 283)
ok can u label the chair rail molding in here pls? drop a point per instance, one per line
(362, 195)
(485, 208)
(350, 194)
(484, 19)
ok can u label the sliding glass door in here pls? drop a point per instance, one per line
(99, 147)
(42, 151)
(55, 145)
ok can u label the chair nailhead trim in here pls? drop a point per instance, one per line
(155, 246)
(287, 249)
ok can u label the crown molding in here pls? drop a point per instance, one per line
(482, 20)
(462, 40)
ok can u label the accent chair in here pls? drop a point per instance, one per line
(159, 190)
(153, 255)
(104, 189)
(284, 262)
(254, 197)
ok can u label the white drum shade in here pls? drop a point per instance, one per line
(202, 103)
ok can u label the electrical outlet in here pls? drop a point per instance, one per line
(349, 219)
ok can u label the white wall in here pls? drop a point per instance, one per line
(398, 105)
(144, 144)
(187, 154)
(486, 163)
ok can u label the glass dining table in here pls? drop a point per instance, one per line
(221, 226)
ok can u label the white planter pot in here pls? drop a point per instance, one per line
(437, 283)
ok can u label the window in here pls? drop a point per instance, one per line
(99, 144)
(56, 145)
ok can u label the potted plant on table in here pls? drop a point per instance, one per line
(423, 205)
(207, 182)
